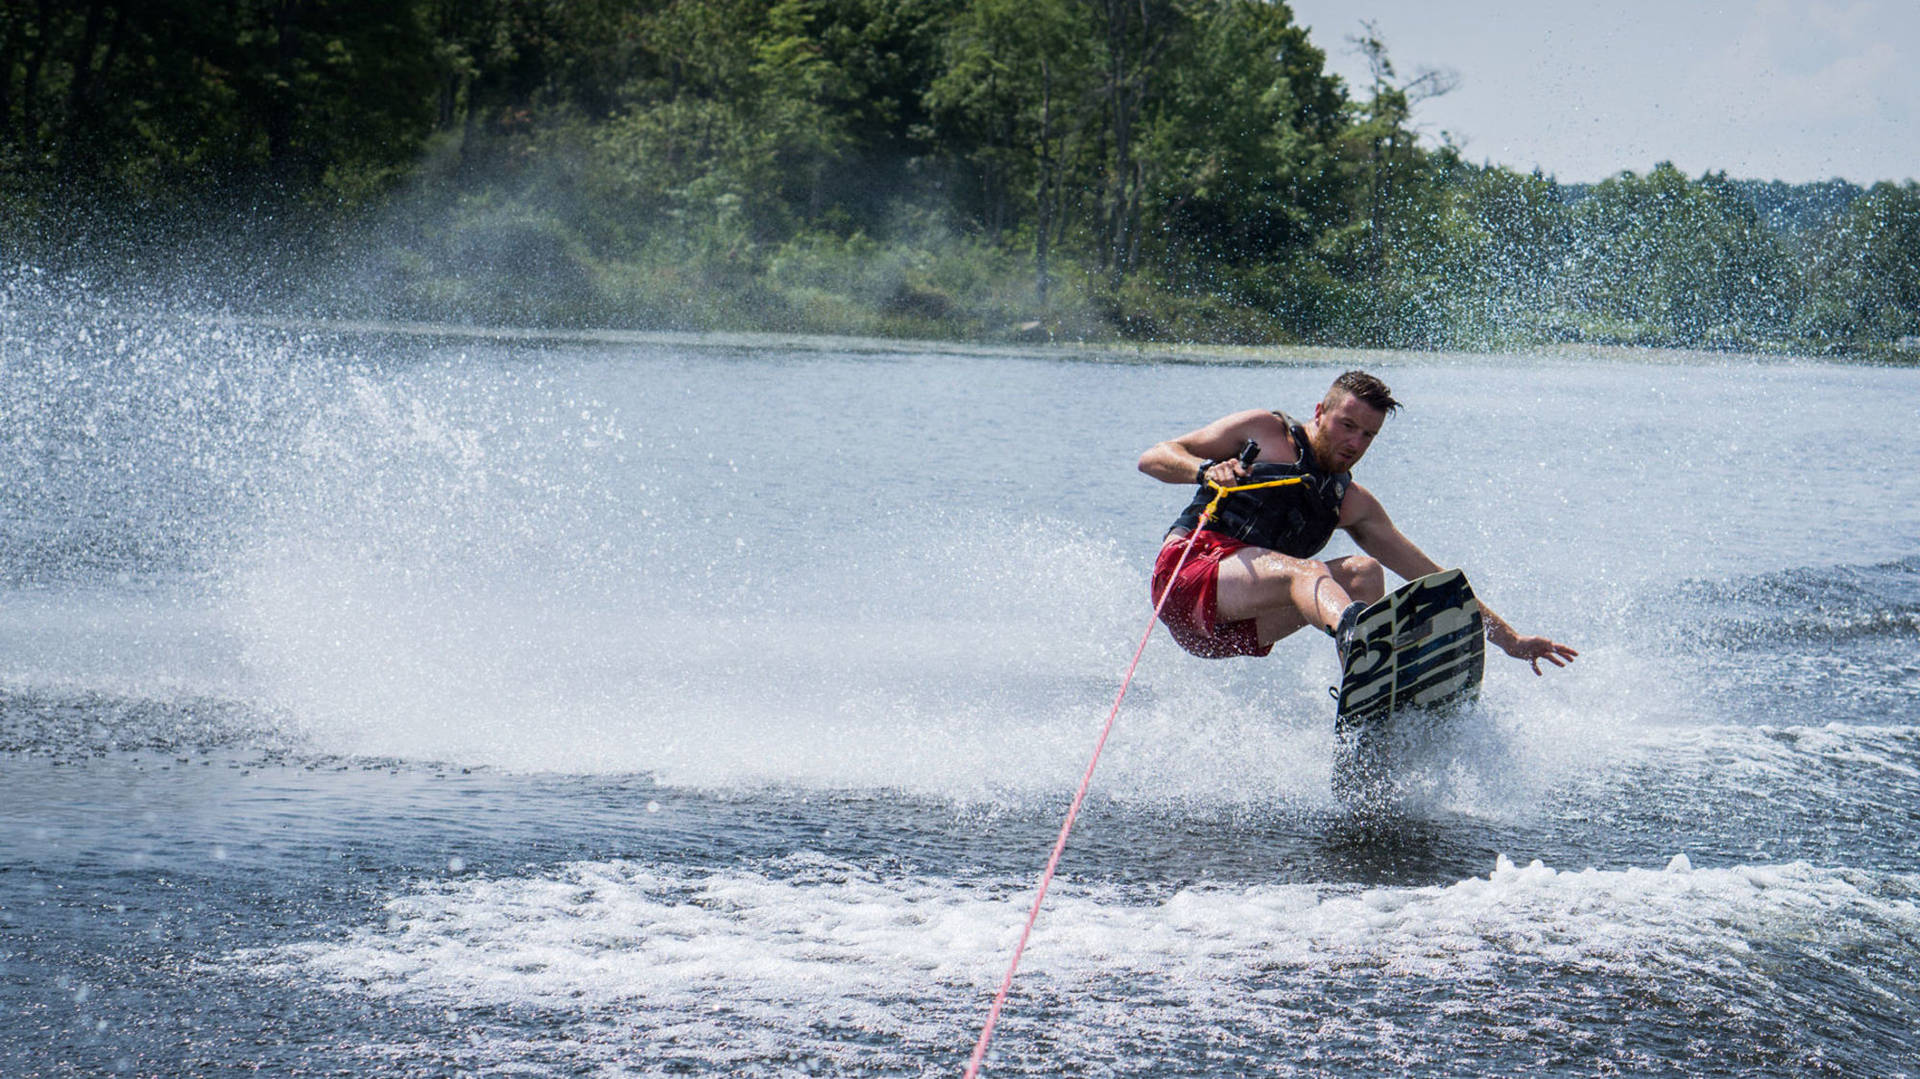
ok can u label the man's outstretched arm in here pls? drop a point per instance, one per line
(1367, 522)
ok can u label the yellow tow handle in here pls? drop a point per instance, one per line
(1222, 492)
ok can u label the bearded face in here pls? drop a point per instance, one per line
(1342, 431)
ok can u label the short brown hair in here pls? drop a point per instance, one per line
(1370, 390)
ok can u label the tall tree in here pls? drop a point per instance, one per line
(1242, 147)
(1137, 37)
(1383, 149)
(1016, 78)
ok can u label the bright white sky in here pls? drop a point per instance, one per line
(1792, 90)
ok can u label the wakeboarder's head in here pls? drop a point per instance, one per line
(1347, 419)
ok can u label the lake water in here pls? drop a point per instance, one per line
(396, 705)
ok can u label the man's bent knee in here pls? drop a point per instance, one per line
(1363, 577)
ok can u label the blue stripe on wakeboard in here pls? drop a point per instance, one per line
(1433, 644)
(1440, 654)
(1436, 680)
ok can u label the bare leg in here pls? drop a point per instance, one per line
(1283, 594)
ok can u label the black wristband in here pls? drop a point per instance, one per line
(1201, 476)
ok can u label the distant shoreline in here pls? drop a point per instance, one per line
(1119, 353)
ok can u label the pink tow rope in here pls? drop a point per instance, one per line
(1073, 811)
(1247, 455)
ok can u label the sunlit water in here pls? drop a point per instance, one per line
(399, 705)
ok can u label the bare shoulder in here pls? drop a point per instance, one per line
(1258, 419)
(1224, 436)
(1262, 426)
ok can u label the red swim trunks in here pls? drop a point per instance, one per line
(1190, 611)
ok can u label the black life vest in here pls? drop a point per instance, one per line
(1295, 520)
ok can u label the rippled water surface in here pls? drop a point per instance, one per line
(387, 704)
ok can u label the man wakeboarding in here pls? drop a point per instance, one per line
(1251, 577)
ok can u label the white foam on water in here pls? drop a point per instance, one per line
(817, 958)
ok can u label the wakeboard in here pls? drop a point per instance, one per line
(1421, 648)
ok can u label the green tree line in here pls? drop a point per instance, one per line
(1156, 169)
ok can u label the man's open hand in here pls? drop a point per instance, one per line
(1535, 649)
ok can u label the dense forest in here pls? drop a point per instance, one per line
(1147, 169)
